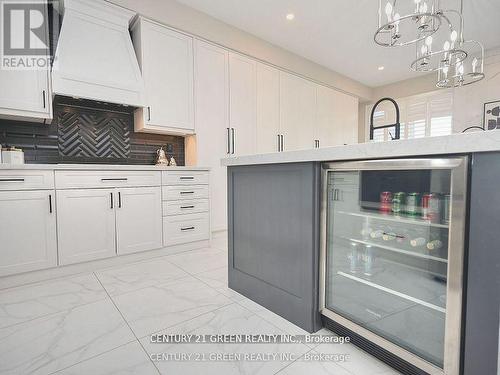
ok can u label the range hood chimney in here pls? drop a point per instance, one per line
(95, 58)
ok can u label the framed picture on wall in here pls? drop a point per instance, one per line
(491, 115)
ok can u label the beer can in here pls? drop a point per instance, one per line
(431, 207)
(398, 203)
(413, 204)
(446, 209)
(385, 201)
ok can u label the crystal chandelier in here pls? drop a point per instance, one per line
(458, 62)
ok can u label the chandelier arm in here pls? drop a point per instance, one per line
(459, 14)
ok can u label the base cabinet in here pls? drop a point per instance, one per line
(27, 231)
(85, 224)
(138, 220)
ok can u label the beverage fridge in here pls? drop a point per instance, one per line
(392, 254)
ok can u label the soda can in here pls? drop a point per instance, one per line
(398, 203)
(431, 207)
(385, 202)
(413, 204)
(446, 209)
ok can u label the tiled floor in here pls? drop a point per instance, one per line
(101, 323)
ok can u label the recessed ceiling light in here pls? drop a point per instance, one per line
(381, 68)
(290, 16)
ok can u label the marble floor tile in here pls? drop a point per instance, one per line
(54, 342)
(217, 279)
(152, 309)
(312, 365)
(198, 261)
(359, 362)
(140, 275)
(221, 358)
(21, 304)
(129, 359)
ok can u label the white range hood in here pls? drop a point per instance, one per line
(95, 58)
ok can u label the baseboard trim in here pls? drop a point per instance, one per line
(85, 267)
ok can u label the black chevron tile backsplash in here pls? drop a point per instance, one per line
(88, 132)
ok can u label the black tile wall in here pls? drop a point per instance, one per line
(85, 131)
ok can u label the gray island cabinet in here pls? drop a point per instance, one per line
(277, 235)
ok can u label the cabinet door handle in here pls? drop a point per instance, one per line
(279, 143)
(187, 228)
(184, 207)
(228, 146)
(119, 199)
(114, 179)
(282, 142)
(50, 203)
(232, 140)
(111, 200)
(186, 178)
(149, 113)
(187, 192)
(12, 180)
(43, 98)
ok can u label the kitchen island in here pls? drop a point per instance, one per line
(294, 217)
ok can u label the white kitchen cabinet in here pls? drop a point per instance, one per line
(297, 112)
(138, 219)
(268, 108)
(346, 117)
(242, 104)
(212, 122)
(327, 129)
(85, 224)
(25, 94)
(27, 231)
(166, 60)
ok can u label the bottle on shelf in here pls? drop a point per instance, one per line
(377, 234)
(399, 203)
(413, 204)
(385, 202)
(368, 259)
(418, 242)
(434, 245)
(354, 258)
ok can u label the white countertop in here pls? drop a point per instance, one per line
(98, 167)
(443, 145)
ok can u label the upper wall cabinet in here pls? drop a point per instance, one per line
(25, 94)
(345, 108)
(166, 60)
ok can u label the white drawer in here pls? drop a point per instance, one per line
(185, 228)
(106, 179)
(184, 178)
(173, 193)
(26, 180)
(188, 206)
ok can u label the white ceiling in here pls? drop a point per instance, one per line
(338, 34)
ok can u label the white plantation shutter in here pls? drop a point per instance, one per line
(416, 117)
(421, 116)
(440, 113)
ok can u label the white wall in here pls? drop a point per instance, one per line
(187, 19)
(468, 101)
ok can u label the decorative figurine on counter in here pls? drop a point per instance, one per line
(173, 163)
(161, 158)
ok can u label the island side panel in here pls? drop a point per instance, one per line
(273, 213)
(483, 276)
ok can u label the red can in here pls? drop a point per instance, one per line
(431, 207)
(386, 202)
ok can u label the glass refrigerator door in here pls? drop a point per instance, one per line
(388, 250)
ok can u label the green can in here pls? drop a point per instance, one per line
(398, 203)
(413, 204)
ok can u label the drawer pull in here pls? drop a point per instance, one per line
(187, 228)
(114, 179)
(187, 207)
(12, 180)
(186, 178)
(187, 192)
(50, 203)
